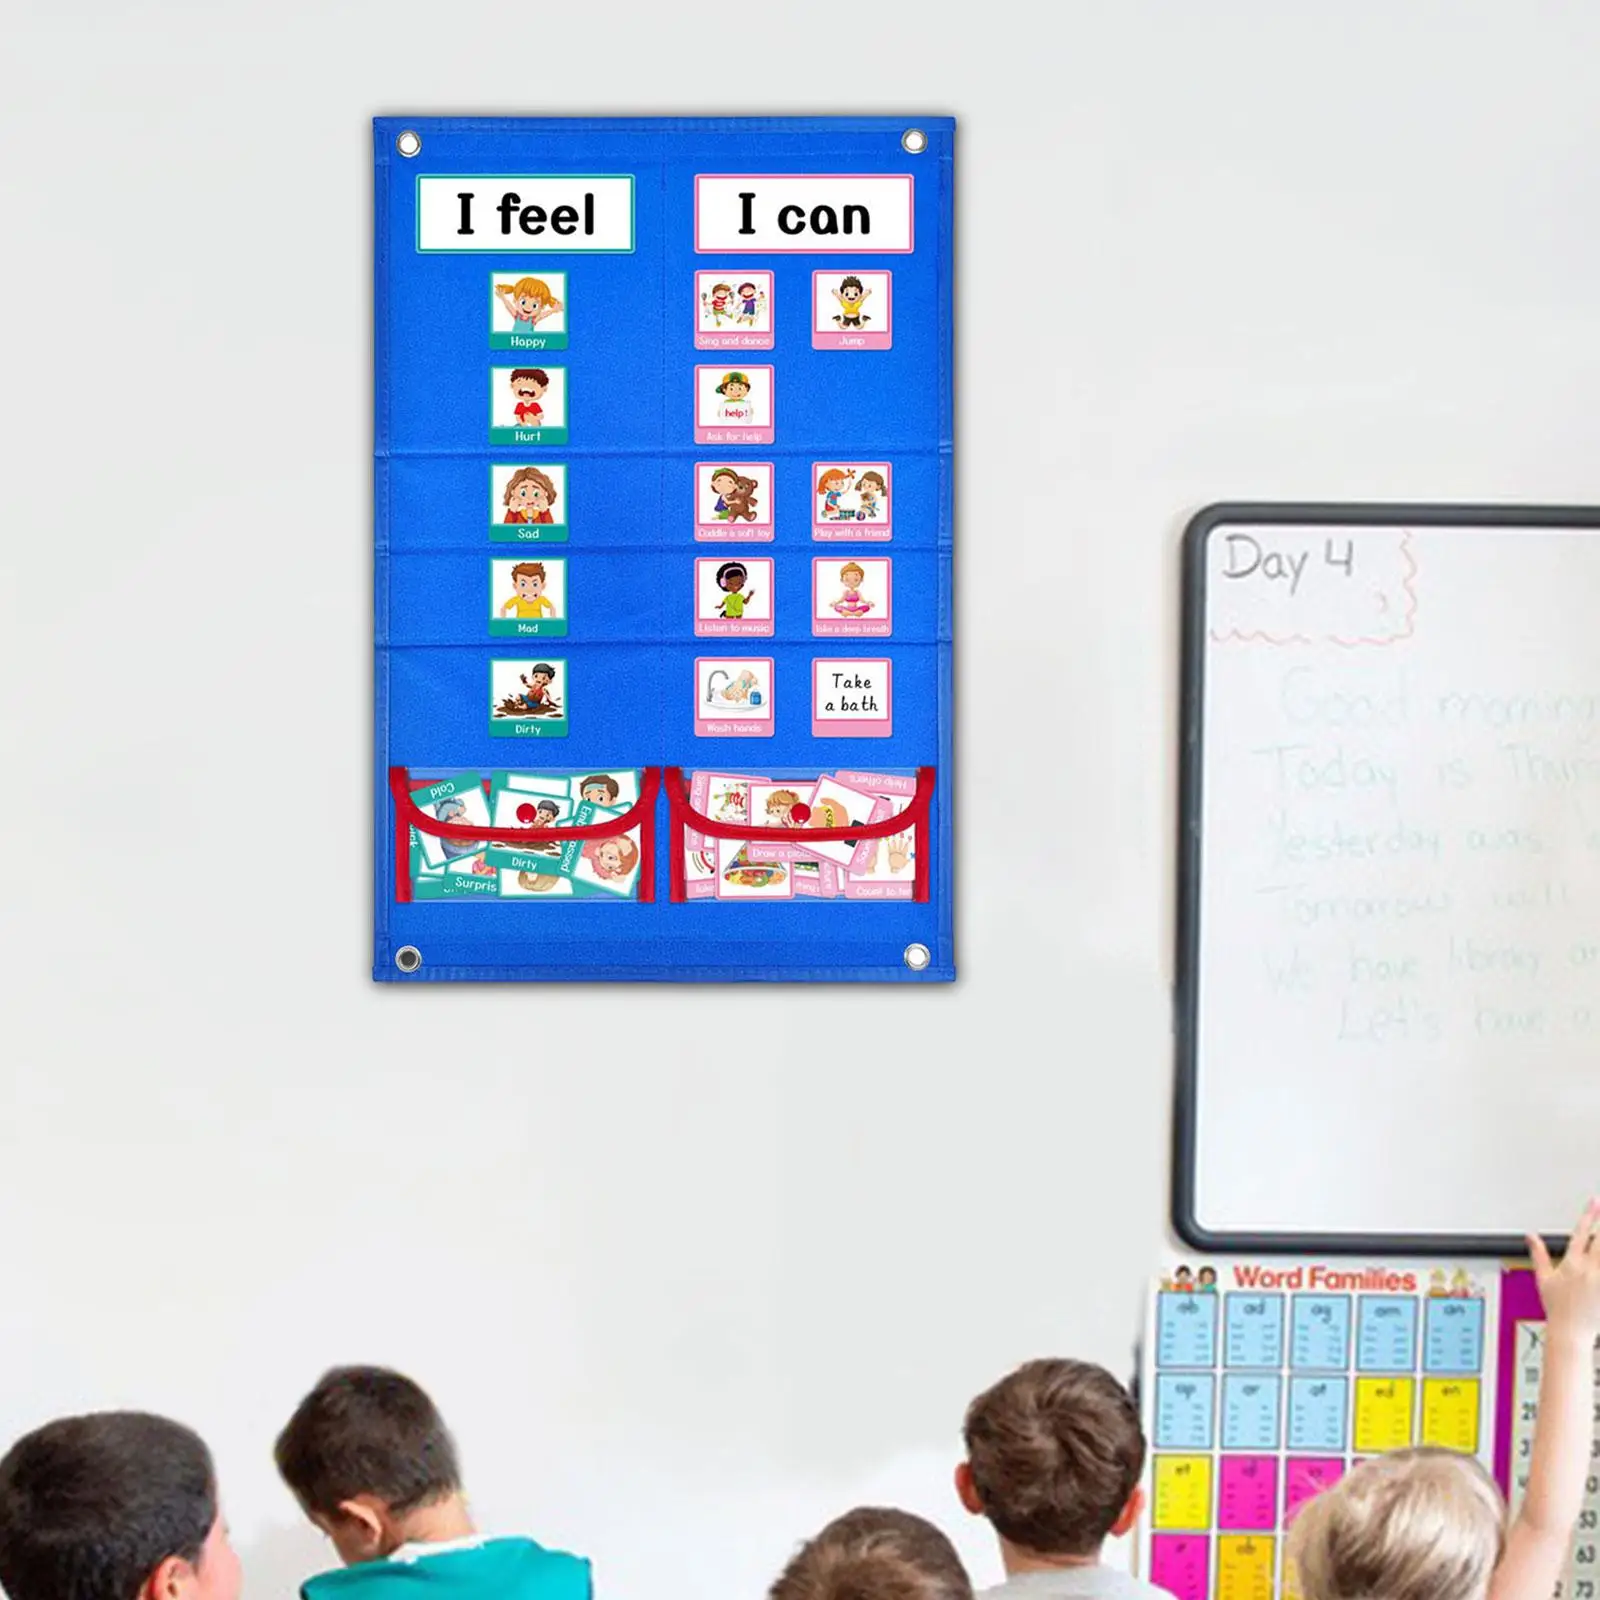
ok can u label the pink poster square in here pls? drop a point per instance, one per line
(734, 310)
(733, 697)
(1180, 1563)
(852, 501)
(852, 597)
(1247, 1496)
(1305, 1477)
(852, 698)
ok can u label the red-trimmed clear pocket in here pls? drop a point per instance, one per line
(408, 815)
(684, 819)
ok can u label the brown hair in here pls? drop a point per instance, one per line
(530, 475)
(529, 569)
(538, 374)
(366, 1430)
(874, 1553)
(1055, 1451)
(874, 477)
(853, 566)
(1414, 1525)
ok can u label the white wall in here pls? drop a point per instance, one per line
(689, 1271)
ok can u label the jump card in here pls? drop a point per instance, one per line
(528, 598)
(851, 598)
(733, 597)
(528, 698)
(733, 310)
(528, 313)
(733, 405)
(852, 500)
(528, 405)
(1264, 1381)
(528, 504)
(850, 310)
(733, 696)
(733, 503)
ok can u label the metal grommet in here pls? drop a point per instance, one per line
(409, 142)
(408, 958)
(917, 957)
(913, 141)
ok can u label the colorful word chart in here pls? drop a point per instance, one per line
(1264, 1381)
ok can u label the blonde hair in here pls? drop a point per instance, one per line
(1422, 1524)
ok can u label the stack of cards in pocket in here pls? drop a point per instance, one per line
(550, 869)
(791, 866)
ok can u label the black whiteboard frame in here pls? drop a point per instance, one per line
(1185, 1124)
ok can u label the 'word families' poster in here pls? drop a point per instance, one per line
(662, 519)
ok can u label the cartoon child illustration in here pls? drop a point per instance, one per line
(852, 603)
(536, 699)
(1208, 1280)
(736, 496)
(731, 577)
(1460, 1284)
(750, 303)
(872, 489)
(833, 485)
(481, 867)
(718, 304)
(852, 296)
(1183, 1281)
(454, 811)
(537, 882)
(529, 496)
(528, 598)
(735, 390)
(528, 384)
(1437, 1286)
(529, 301)
(611, 858)
(545, 814)
(780, 806)
(601, 789)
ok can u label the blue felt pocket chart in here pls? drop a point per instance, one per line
(662, 439)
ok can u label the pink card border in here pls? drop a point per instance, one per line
(826, 728)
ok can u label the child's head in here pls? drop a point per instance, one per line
(531, 294)
(529, 383)
(872, 482)
(527, 578)
(546, 813)
(1054, 1453)
(722, 288)
(781, 802)
(612, 858)
(1415, 1525)
(601, 788)
(889, 1555)
(364, 1450)
(851, 575)
(731, 576)
(734, 386)
(543, 673)
(529, 489)
(117, 1506)
(748, 290)
(851, 288)
(1208, 1277)
(451, 810)
(724, 480)
(833, 478)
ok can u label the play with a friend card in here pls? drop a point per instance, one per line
(663, 454)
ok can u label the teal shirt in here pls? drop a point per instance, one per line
(498, 1569)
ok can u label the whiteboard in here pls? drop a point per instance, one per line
(1389, 997)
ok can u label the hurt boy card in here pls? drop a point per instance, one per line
(527, 405)
(733, 310)
(851, 598)
(733, 696)
(528, 504)
(528, 698)
(852, 698)
(733, 405)
(528, 597)
(733, 502)
(851, 500)
(528, 312)
(733, 597)
(850, 310)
